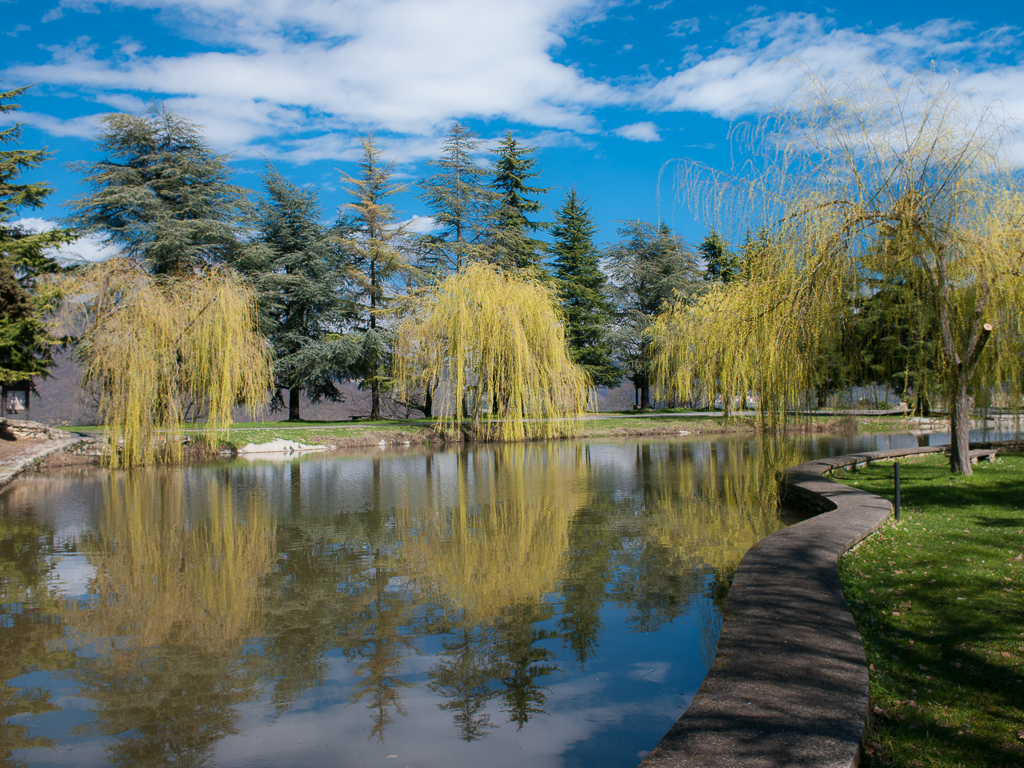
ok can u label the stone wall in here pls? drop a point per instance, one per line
(21, 429)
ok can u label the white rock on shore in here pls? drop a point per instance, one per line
(279, 446)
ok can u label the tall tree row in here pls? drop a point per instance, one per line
(327, 295)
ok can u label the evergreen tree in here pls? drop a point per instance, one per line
(580, 283)
(161, 196)
(649, 267)
(26, 345)
(377, 261)
(299, 274)
(459, 203)
(720, 264)
(895, 332)
(511, 229)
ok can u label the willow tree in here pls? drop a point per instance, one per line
(497, 342)
(153, 349)
(856, 178)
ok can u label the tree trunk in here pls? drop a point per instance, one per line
(921, 405)
(428, 403)
(822, 397)
(960, 428)
(645, 396)
(293, 404)
(374, 399)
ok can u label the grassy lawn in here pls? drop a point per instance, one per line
(373, 432)
(610, 425)
(939, 600)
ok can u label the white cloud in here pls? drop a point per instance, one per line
(645, 131)
(300, 79)
(80, 127)
(87, 248)
(420, 225)
(684, 27)
(405, 66)
(767, 57)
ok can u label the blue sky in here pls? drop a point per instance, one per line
(608, 91)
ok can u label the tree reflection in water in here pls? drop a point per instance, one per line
(218, 586)
(175, 598)
(28, 628)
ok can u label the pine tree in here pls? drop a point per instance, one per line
(511, 229)
(649, 268)
(459, 203)
(580, 284)
(161, 196)
(299, 274)
(720, 264)
(26, 344)
(377, 261)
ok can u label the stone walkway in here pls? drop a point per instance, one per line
(16, 463)
(789, 686)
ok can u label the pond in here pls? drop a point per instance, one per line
(548, 604)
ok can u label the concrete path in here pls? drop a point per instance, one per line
(789, 686)
(18, 463)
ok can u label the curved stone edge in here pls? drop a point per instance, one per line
(33, 456)
(789, 685)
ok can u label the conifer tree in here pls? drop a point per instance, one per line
(377, 261)
(460, 204)
(160, 196)
(720, 264)
(511, 229)
(649, 268)
(580, 284)
(299, 273)
(26, 344)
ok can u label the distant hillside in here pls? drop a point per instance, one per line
(60, 401)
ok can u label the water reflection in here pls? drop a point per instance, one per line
(27, 627)
(175, 597)
(221, 601)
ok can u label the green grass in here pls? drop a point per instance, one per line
(421, 430)
(239, 436)
(939, 601)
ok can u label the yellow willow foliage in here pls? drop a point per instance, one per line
(497, 342)
(853, 180)
(712, 515)
(740, 337)
(505, 540)
(154, 348)
(173, 567)
(712, 533)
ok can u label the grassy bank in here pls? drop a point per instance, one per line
(609, 425)
(939, 600)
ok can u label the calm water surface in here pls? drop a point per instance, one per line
(529, 605)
